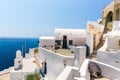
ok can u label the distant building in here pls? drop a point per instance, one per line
(47, 42)
(65, 38)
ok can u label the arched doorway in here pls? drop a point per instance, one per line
(108, 21)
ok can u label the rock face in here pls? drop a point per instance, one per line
(94, 70)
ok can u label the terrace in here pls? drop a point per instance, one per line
(65, 52)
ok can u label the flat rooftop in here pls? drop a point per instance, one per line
(29, 65)
(65, 52)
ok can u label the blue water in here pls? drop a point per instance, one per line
(9, 46)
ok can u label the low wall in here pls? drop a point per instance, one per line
(111, 58)
(84, 70)
(55, 62)
(69, 73)
(108, 71)
(22, 75)
(108, 57)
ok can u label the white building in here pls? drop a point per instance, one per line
(55, 62)
(65, 38)
(47, 42)
(110, 52)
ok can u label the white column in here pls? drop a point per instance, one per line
(79, 55)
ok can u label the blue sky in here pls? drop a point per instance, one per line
(33, 18)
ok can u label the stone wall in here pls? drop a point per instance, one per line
(96, 30)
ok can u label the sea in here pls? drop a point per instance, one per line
(9, 46)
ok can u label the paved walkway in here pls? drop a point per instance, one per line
(5, 76)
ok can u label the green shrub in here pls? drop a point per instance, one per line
(36, 51)
(34, 76)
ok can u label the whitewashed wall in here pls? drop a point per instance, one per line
(79, 55)
(116, 25)
(69, 73)
(78, 40)
(112, 43)
(108, 53)
(55, 62)
(108, 71)
(111, 58)
(47, 42)
(84, 70)
(18, 75)
(89, 42)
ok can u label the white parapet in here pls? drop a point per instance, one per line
(69, 73)
(90, 42)
(107, 71)
(29, 66)
(79, 55)
(55, 62)
(84, 70)
(116, 25)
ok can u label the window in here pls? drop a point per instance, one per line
(70, 42)
(58, 42)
